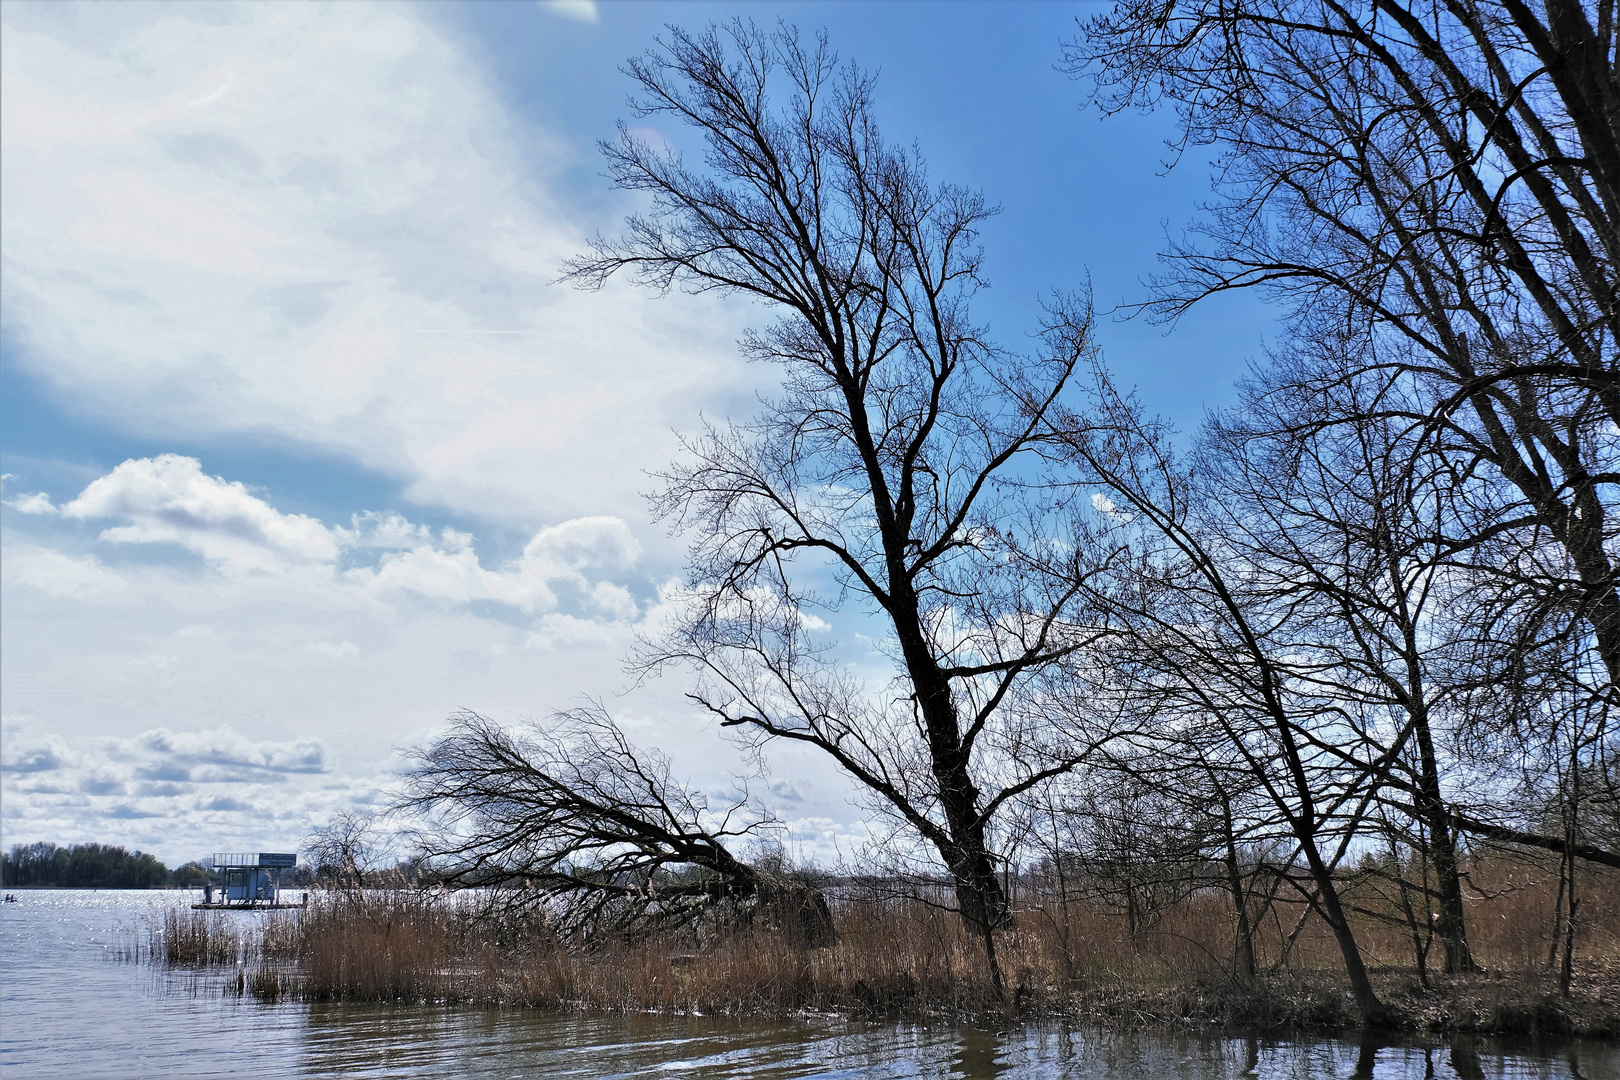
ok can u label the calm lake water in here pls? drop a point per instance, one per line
(70, 1007)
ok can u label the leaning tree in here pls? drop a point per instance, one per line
(569, 819)
(1438, 181)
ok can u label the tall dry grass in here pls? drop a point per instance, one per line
(898, 958)
(188, 938)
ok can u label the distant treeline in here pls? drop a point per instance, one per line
(92, 866)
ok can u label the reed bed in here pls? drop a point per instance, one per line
(901, 958)
(188, 938)
(197, 939)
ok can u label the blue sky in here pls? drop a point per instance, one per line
(303, 446)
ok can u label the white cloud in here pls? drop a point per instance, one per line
(339, 650)
(556, 554)
(319, 222)
(458, 577)
(36, 503)
(169, 499)
(81, 577)
(384, 530)
(162, 749)
(580, 10)
(179, 793)
(612, 600)
(603, 542)
(559, 631)
(1108, 508)
(23, 749)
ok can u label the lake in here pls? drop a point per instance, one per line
(69, 1006)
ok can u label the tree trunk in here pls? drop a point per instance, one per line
(1302, 821)
(1450, 925)
(979, 896)
(1243, 949)
(1373, 1011)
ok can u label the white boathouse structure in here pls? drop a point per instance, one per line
(249, 880)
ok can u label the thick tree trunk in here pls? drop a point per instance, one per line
(1450, 926)
(979, 896)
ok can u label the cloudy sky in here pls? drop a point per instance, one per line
(303, 447)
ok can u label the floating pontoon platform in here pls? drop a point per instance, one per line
(248, 881)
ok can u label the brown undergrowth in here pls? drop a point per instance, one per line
(906, 959)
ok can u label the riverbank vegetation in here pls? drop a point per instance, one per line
(1078, 949)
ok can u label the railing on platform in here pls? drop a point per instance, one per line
(238, 859)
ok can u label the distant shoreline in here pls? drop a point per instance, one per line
(103, 888)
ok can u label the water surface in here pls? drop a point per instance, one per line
(70, 1007)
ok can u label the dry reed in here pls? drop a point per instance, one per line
(907, 959)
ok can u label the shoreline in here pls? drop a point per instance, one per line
(1496, 1006)
(1279, 1008)
(890, 962)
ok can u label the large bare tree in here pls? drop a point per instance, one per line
(1441, 178)
(886, 475)
(1438, 182)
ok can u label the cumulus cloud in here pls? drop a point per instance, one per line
(458, 577)
(556, 554)
(388, 529)
(558, 631)
(35, 503)
(162, 748)
(169, 499)
(24, 749)
(1108, 508)
(604, 542)
(159, 773)
(176, 791)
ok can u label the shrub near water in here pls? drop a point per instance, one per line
(209, 938)
(403, 946)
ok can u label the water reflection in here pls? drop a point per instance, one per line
(67, 1009)
(354, 1041)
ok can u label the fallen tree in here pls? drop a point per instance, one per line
(571, 819)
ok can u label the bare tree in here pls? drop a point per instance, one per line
(571, 819)
(344, 850)
(1203, 644)
(1343, 519)
(1441, 178)
(1438, 183)
(888, 470)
